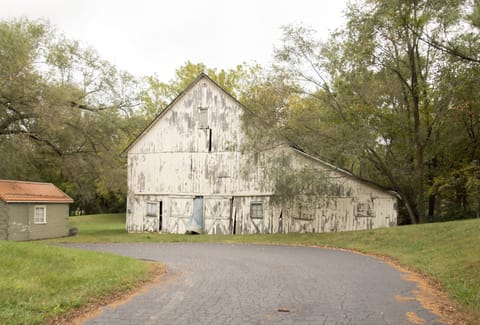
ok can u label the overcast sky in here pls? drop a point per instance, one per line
(146, 36)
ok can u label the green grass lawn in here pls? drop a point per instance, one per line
(447, 252)
(40, 282)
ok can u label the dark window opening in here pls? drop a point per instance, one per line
(256, 210)
(210, 140)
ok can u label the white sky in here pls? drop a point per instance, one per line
(147, 36)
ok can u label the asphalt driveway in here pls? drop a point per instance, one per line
(252, 284)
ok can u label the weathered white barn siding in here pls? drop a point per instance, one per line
(353, 204)
(192, 151)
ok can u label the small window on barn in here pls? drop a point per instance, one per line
(364, 209)
(256, 210)
(203, 117)
(40, 215)
(151, 209)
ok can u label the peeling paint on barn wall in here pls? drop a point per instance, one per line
(193, 150)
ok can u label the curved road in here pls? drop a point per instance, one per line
(252, 284)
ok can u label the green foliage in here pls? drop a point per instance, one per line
(158, 94)
(390, 96)
(65, 115)
(459, 191)
(297, 186)
(39, 282)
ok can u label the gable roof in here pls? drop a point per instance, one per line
(346, 173)
(18, 191)
(173, 102)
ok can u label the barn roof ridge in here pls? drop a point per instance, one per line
(344, 171)
(201, 76)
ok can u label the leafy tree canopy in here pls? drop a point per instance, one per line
(389, 97)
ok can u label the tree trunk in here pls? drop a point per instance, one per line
(411, 213)
(415, 92)
(420, 176)
(375, 159)
(432, 197)
(432, 200)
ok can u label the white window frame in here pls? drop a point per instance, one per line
(154, 206)
(44, 219)
(203, 117)
(254, 208)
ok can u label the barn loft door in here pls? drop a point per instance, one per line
(196, 221)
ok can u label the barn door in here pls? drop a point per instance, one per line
(218, 215)
(160, 215)
(179, 215)
(196, 221)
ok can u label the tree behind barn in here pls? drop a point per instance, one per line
(389, 97)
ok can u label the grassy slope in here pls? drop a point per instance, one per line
(38, 282)
(447, 252)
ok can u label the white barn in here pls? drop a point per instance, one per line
(186, 172)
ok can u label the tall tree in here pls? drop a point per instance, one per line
(62, 113)
(371, 97)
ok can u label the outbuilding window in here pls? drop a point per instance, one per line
(151, 209)
(40, 215)
(256, 210)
